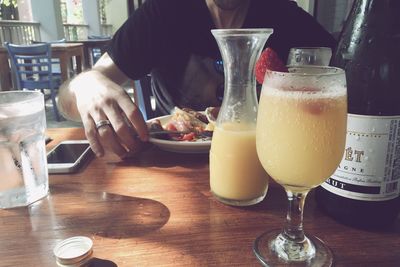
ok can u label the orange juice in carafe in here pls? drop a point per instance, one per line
(236, 174)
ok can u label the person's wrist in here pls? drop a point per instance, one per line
(66, 102)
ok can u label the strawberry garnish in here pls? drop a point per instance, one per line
(270, 60)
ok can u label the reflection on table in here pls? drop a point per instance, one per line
(65, 52)
(157, 210)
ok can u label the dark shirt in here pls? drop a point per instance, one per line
(171, 39)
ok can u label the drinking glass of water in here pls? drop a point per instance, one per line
(24, 177)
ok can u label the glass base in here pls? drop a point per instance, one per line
(272, 249)
(22, 196)
(235, 202)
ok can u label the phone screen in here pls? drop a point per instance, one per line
(66, 153)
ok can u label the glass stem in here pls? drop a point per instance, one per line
(293, 228)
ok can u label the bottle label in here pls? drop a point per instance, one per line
(370, 168)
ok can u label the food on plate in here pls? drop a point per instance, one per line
(212, 113)
(198, 115)
(191, 126)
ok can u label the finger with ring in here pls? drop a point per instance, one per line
(102, 123)
(107, 136)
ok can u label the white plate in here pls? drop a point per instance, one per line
(179, 146)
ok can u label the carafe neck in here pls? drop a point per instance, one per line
(240, 49)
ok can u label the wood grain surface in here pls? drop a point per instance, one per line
(157, 210)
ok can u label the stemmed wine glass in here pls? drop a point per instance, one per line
(300, 138)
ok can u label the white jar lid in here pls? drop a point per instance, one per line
(73, 251)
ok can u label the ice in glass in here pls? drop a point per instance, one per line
(24, 177)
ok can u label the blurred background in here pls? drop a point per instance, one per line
(88, 25)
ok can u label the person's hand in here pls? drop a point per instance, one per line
(111, 120)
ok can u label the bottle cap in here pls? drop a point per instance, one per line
(73, 251)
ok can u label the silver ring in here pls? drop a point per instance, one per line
(102, 123)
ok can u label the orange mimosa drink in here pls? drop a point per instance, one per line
(300, 137)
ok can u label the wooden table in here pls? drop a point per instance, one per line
(157, 210)
(63, 51)
(89, 45)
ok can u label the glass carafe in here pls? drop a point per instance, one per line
(236, 175)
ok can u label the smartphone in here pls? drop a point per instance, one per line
(68, 156)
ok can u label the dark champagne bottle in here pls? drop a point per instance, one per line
(364, 191)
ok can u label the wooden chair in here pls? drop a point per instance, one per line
(32, 66)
